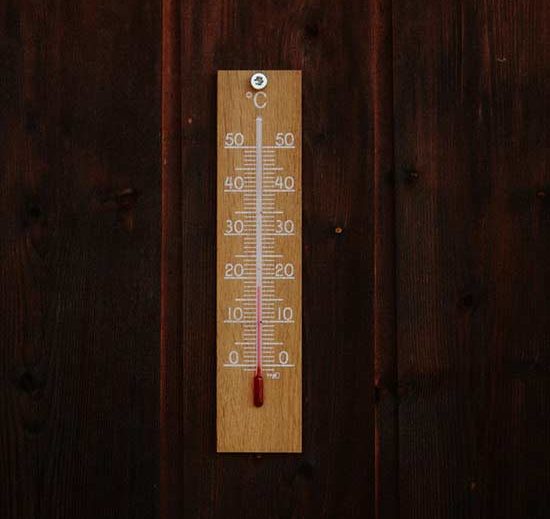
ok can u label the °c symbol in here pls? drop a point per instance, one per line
(260, 104)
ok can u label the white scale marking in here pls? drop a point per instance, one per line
(258, 342)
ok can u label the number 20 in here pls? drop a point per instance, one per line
(284, 270)
(234, 270)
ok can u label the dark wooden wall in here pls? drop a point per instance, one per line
(426, 321)
(79, 258)
(472, 227)
(334, 477)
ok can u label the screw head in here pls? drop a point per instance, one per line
(258, 81)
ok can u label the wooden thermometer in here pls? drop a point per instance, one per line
(259, 284)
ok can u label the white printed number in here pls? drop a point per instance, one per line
(234, 270)
(284, 140)
(284, 227)
(284, 270)
(234, 226)
(235, 314)
(234, 183)
(234, 139)
(284, 183)
(285, 314)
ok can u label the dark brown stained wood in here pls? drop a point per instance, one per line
(426, 259)
(79, 259)
(385, 360)
(473, 222)
(171, 394)
(334, 475)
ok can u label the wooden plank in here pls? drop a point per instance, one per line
(171, 365)
(472, 118)
(79, 259)
(385, 358)
(333, 477)
(259, 319)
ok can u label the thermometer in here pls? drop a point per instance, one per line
(259, 271)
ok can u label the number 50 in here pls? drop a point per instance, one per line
(284, 139)
(234, 139)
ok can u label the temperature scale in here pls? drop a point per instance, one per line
(259, 325)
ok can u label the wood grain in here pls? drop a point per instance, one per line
(472, 217)
(333, 477)
(276, 426)
(79, 259)
(384, 322)
(171, 400)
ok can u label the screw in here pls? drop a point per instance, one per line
(258, 81)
